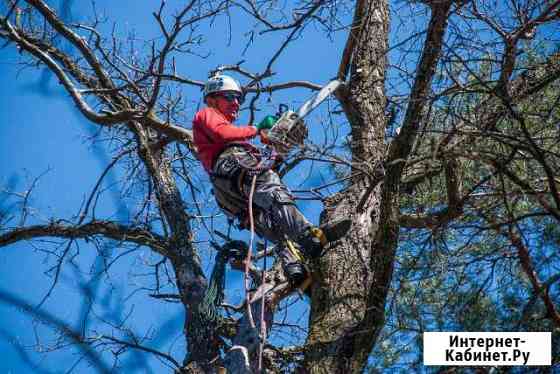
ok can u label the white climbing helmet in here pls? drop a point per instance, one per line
(221, 83)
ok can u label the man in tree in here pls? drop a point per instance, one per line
(232, 162)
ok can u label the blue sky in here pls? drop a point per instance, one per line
(42, 134)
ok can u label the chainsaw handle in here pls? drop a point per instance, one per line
(281, 109)
(264, 137)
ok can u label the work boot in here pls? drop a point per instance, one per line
(314, 240)
(296, 273)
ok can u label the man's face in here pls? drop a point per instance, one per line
(227, 103)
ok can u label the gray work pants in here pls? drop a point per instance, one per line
(275, 214)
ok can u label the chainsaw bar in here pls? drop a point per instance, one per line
(316, 100)
(290, 130)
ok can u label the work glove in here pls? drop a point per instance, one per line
(267, 123)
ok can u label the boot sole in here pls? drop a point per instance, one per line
(336, 230)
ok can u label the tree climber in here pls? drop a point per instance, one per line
(231, 161)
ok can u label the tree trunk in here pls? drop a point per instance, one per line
(340, 293)
(201, 335)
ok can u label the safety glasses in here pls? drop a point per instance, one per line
(229, 96)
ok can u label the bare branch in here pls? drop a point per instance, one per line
(296, 27)
(75, 39)
(453, 210)
(135, 345)
(110, 118)
(528, 268)
(107, 229)
(402, 145)
(62, 327)
(353, 37)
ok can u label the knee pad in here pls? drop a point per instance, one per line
(267, 196)
(283, 197)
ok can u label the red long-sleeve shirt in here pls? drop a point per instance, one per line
(212, 132)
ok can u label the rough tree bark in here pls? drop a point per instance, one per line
(352, 280)
(340, 294)
(348, 298)
(203, 339)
